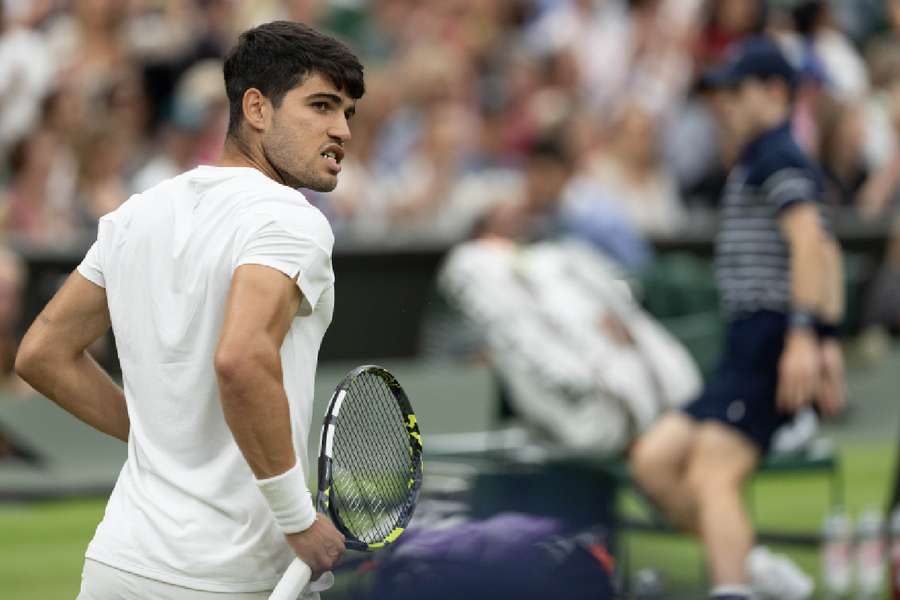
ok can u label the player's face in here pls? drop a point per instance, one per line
(305, 142)
(740, 108)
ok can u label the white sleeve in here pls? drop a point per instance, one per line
(91, 266)
(296, 254)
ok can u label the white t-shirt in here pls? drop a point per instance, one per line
(185, 509)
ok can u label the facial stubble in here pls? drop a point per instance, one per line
(304, 175)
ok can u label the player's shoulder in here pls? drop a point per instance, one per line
(782, 160)
(288, 209)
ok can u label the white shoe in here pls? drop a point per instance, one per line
(797, 434)
(776, 577)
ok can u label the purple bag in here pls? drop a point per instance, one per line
(508, 556)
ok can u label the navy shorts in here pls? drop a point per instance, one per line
(741, 392)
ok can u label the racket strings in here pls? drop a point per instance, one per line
(372, 462)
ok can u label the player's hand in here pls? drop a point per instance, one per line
(832, 392)
(798, 370)
(320, 546)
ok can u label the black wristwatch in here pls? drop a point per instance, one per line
(801, 318)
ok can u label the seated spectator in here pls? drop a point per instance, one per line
(27, 72)
(35, 211)
(728, 21)
(879, 192)
(416, 193)
(102, 185)
(631, 173)
(195, 130)
(841, 152)
(845, 72)
(883, 50)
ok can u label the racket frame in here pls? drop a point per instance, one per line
(326, 445)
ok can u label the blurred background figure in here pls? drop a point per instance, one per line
(629, 169)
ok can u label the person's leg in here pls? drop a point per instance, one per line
(721, 461)
(659, 461)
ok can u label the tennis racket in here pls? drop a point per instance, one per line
(370, 466)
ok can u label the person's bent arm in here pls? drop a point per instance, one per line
(799, 365)
(260, 308)
(261, 304)
(53, 357)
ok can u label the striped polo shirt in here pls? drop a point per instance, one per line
(752, 257)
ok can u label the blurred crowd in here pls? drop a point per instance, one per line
(541, 116)
(469, 101)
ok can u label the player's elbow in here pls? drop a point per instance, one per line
(237, 365)
(229, 365)
(31, 359)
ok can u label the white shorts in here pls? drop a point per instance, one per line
(102, 582)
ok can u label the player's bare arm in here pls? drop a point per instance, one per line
(261, 306)
(53, 357)
(259, 310)
(799, 366)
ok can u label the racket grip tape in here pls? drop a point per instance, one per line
(292, 582)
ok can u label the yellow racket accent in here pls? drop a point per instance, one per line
(392, 537)
(413, 429)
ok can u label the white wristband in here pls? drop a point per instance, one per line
(289, 499)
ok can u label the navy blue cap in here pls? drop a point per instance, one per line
(758, 57)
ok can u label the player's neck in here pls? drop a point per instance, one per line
(237, 153)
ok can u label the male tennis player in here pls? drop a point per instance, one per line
(778, 276)
(218, 286)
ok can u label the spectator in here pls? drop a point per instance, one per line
(416, 194)
(883, 50)
(88, 44)
(841, 152)
(880, 190)
(26, 74)
(630, 172)
(34, 213)
(844, 69)
(102, 185)
(727, 22)
(195, 130)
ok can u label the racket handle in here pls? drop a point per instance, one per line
(292, 582)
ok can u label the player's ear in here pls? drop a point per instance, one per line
(257, 109)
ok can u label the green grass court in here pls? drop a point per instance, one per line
(42, 544)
